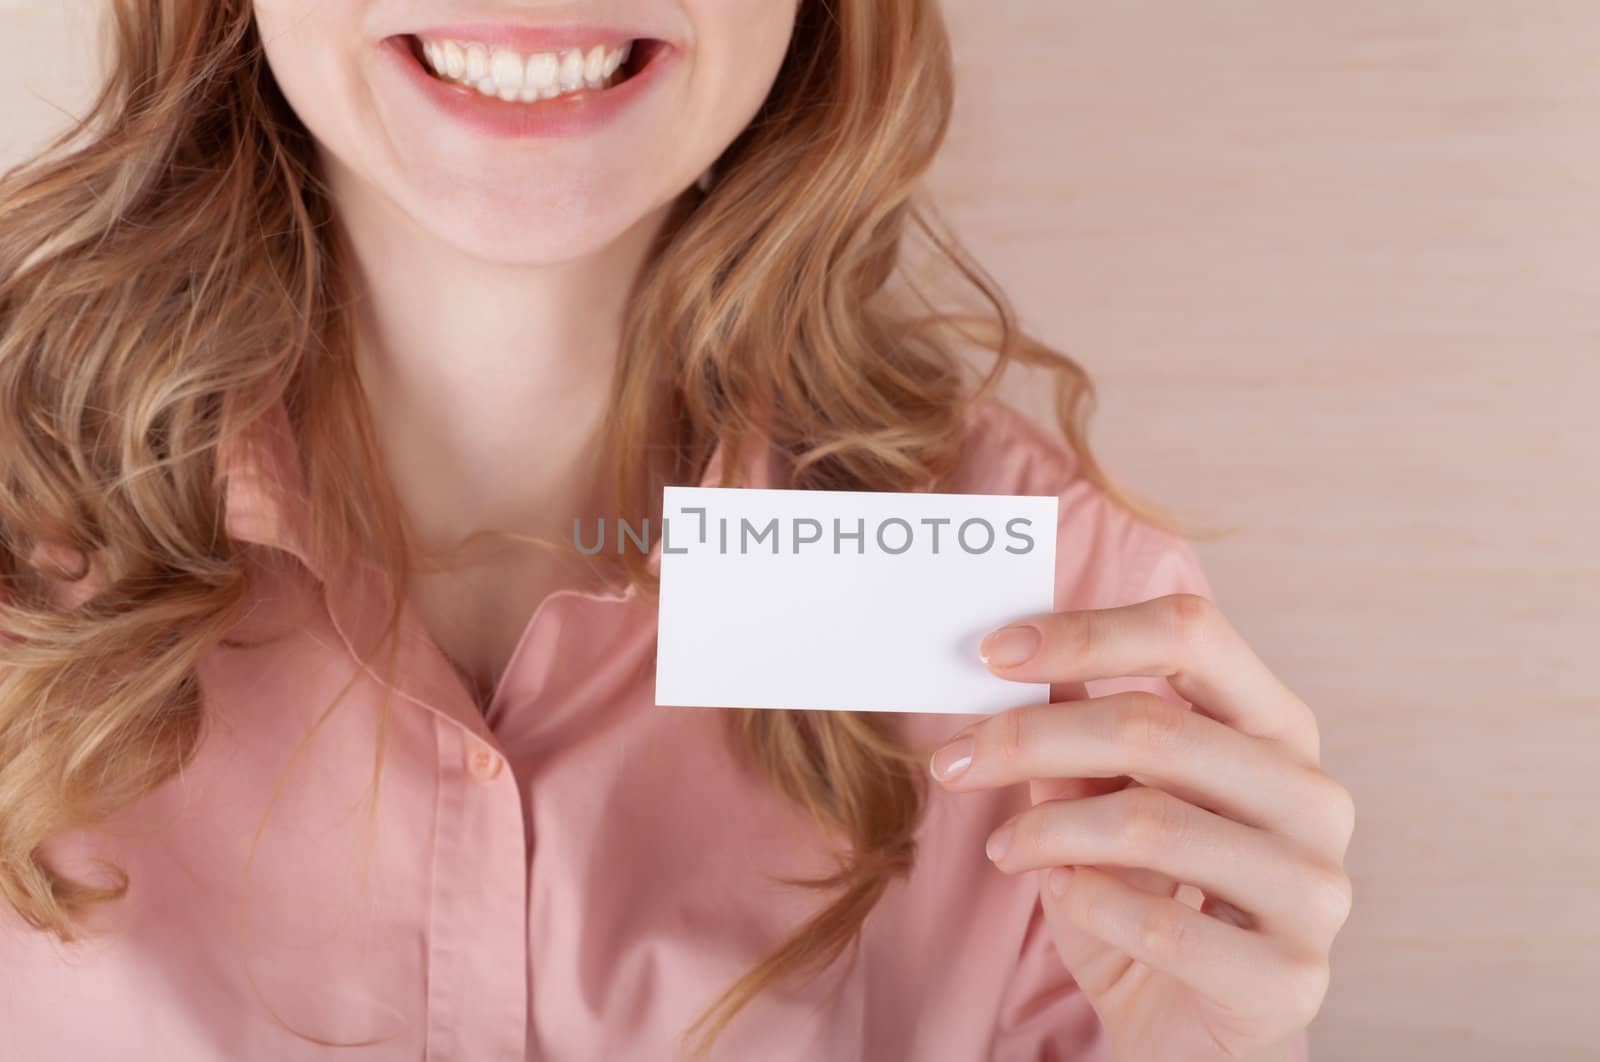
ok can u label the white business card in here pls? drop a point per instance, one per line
(848, 600)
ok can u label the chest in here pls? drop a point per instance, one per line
(576, 879)
(477, 614)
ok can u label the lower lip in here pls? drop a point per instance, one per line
(569, 115)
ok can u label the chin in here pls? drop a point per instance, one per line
(538, 221)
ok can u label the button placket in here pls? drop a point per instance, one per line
(482, 762)
(477, 940)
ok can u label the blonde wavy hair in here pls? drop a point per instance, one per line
(175, 249)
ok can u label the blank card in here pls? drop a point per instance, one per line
(847, 600)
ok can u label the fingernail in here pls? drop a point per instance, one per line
(1060, 878)
(952, 759)
(999, 842)
(1009, 646)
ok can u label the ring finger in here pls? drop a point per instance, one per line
(1288, 895)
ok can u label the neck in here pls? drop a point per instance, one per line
(487, 383)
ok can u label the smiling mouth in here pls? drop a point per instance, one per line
(502, 73)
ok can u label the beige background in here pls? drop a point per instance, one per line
(1336, 269)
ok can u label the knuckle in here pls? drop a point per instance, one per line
(1011, 735)
(1313, 741)
(1305, 986)
(1035, 833)
(1165, 933)
(1087, 911)
(1077, 635)
(1149, 726)
(1344, 814)
(1333, 896)
(1152, 820)
(1300, 727)
(1340, 808)
(1190, 620)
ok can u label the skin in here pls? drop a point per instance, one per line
(493, 274)
(1138, 802)
(492, 278)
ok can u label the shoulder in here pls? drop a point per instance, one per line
(1106, 555)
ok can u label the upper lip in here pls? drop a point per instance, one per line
(524, 37)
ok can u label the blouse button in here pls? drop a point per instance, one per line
(483, 763)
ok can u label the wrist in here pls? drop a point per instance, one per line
(1282, 1051)
(1286, 1050)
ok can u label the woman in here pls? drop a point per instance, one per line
(329, 307)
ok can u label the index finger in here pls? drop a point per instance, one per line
(1183, 638)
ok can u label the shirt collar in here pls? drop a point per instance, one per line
(265, 503)
(264, 491)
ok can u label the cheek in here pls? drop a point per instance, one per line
(301, 41)
(739, 47)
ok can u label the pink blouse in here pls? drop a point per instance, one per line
(571, 875)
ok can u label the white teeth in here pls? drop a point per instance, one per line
(506, 70)
(543, 70)
(593, 64)
(540, 76)
(508, 75)
(455, 60)
(571, 70)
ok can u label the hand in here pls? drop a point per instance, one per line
(1138, 802)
